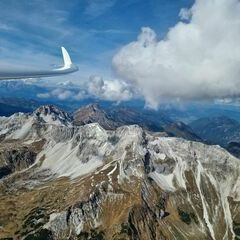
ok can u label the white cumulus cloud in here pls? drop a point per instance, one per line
(59, 93)
(198, 59)
(112, 90)
(96, 87)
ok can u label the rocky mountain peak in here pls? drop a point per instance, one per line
(90, 109)
(52, 115)
(48, 109)
(92, 113)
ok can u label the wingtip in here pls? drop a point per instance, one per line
(66, 57)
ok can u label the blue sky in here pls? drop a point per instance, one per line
(31, 32)
(157, 50)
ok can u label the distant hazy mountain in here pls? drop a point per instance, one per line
(188, 112)
(234, 148)
(217, 130)
(111, 118)
(20, 89)
(148, 119)
(9, 106)
(182, 130)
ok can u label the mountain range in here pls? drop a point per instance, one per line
(217, 130)
(111, 118)
(63, 181)
(9, 106)
(43, 93)
(221, 130)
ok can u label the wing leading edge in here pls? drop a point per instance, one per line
(68, 67)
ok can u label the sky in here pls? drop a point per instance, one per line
(91, 30)
(155, 49)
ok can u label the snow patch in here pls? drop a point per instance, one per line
(165, 182)
(62, 160)
(205, 212)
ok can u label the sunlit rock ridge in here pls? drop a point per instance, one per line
(61, 181)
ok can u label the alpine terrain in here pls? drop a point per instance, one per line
(63, 181)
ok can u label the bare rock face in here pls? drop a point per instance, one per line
(15, 160)
(93, 114)
(90, 183)
(53, 115)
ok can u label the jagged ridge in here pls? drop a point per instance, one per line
(122, 184)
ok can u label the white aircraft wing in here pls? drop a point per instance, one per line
(68, 67)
